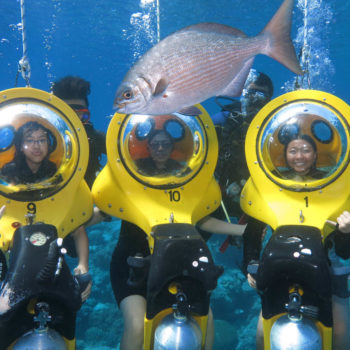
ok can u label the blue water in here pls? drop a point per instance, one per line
(100, 40)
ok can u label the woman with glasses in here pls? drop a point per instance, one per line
(31, 163)
(160, 146)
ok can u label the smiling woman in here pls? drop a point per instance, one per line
(301, 156)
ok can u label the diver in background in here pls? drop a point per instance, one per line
(31, 164)
(74, 91)
(231, 126)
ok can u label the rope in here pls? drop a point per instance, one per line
(225, 211)
(23, 64)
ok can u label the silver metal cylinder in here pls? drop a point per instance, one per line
(47, 339)
(177, 333)
(295, 334)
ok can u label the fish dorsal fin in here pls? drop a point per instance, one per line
(235, 87)
(191, 111)
(213, 27)
(160, 87)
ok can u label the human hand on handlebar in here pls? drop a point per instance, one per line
(81, 270)
(251, 280)
(343, 222)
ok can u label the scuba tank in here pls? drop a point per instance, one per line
(42, 337)
(177, 332)
(295, 333)
(297, 329)
(46, 339)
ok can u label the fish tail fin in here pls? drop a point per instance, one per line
(277, 31)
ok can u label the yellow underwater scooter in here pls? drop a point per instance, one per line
(166, 203)
(39, 297)
(294, 278)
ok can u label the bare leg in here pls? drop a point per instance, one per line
(260, 334)
(341, 323)
(133, 308)
(209, 341)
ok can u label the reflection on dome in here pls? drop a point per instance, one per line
(35, 150)
(162, 150)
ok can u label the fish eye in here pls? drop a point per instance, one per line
(127, 94)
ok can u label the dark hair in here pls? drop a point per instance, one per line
(264, 80)
(31, 127)
(304, 137)
(156, 132)
(71, 87)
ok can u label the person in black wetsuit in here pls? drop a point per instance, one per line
(74, 91)
(31, 163)
(231, 125)
(132, 300)
(133, 241)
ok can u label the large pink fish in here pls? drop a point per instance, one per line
(201, 61)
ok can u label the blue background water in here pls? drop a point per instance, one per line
(100, 40)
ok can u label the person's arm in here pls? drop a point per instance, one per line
(81, 242)
(252, 241)
(342, 235)
(214, 225)
(344, 222)
(82, 247)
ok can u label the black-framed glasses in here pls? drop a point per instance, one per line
(158, 144)
(32, 142)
